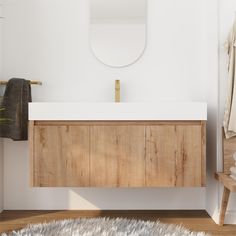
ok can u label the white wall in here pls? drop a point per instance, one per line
(1, 143)
(227, 16)
(48, 40)
(212, 11)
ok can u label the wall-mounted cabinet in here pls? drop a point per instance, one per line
(117, 154)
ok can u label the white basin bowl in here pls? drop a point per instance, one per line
(118, 111)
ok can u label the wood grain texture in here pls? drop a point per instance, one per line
(174, 156)
(203, 154)
(116, 123)
(117, 156)
(224, 204)
(61, 156)
(229, 148)
(227, 181)
(193, 220)
(31, 152)
(229, 186)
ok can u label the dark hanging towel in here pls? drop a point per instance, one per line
(15, 104)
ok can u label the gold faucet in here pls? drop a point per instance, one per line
(117, 91)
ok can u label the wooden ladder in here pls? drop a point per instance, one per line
(229, 186)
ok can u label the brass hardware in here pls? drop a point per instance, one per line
(117, 91)
(35, 82)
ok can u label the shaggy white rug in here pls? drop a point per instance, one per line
(104, 227)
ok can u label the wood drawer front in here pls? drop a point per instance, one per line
(61, 156)
(117, 155)
(174, 156)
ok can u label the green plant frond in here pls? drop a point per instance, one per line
(3, 120)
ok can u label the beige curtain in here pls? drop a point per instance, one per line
(230, 110)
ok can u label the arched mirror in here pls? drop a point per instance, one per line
(118, 31)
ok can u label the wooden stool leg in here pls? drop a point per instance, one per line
(224, 204)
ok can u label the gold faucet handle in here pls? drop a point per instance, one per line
(117, 91)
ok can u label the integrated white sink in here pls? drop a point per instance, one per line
(118, 111)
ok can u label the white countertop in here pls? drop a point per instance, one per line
(118, 111)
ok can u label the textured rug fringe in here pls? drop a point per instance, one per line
(104, 227)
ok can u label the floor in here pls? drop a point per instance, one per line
(194, 220)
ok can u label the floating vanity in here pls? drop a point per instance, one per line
(118, 144)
